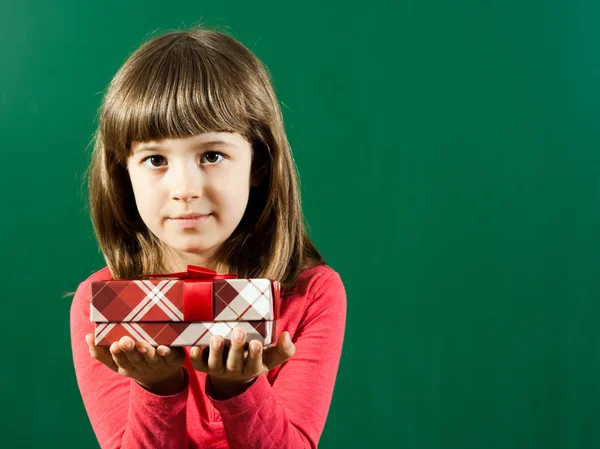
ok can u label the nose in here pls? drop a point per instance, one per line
(186, 182)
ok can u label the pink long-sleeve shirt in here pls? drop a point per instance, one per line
(283, 409)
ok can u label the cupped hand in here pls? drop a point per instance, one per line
(233, 367)
(156, 369)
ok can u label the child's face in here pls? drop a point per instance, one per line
(208, 174)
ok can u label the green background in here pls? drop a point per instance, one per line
(449, 163)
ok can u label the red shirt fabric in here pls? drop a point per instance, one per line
(283, 409)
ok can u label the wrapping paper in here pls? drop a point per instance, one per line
(198, 295)
(183, 334)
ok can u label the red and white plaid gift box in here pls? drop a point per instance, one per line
(187, 311)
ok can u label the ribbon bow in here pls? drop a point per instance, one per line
(195, 272)
(198, 292)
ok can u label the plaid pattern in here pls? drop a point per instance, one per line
(162, 300)
(182, 334)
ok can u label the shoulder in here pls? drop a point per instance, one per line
(319, 302)
(322, 285)
(313, 279)
(100, 275)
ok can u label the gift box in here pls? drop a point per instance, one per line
(183, 334)
(196, 295)
(186, 311)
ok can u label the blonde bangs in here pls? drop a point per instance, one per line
(173, 91)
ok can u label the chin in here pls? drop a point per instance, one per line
(193, 247)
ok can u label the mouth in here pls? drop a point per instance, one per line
(189, 220)
(189, 216)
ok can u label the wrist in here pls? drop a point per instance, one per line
(173, 384)
(224, 389)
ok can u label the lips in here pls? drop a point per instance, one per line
(190, 216)
(186, 221)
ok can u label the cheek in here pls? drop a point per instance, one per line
(233, 197)
(145, 197)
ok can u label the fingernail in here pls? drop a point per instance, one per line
(142, 350)
(127, 346)
(287, 342)
(238, 335)
(216, 343)
(255, 347)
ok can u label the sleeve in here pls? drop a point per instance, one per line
(122, 413)
(291, 413)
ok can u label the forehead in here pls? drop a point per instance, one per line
(210, 139)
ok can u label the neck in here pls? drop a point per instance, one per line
(177, 261)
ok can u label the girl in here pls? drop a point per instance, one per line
(191, 165)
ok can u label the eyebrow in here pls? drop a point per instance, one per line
(156, 147)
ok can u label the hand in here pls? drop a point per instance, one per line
(156, 369)
(232, 370)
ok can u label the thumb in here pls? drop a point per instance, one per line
(283, 351)
(101, 353)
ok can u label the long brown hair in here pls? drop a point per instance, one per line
(181, 84)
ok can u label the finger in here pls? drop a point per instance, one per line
(172, 357)
(235, 358)
(149, 353)
(283, 351)
(175, 357)
(129, 348)
(101, 353)
(120, 358)
(253, 364)
(215, 355)
(198, 359)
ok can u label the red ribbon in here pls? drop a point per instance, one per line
(197, 292)
(194, 272)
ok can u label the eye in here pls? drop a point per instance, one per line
(210, 156)
(154, 159)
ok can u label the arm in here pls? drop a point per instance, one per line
(291, 414)
(122, 413)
